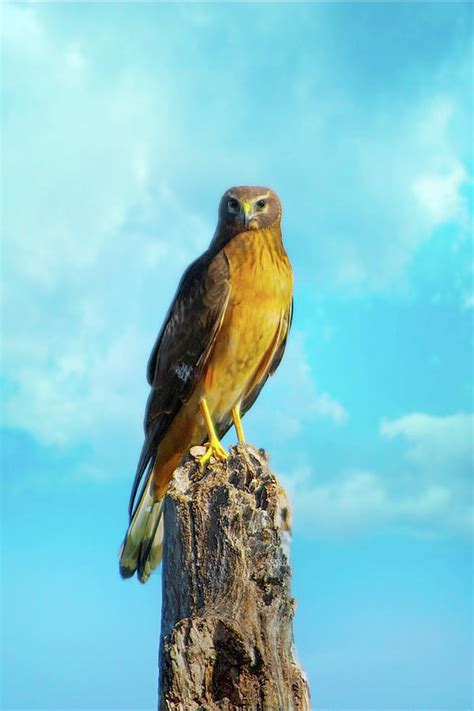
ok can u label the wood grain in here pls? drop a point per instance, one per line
(226, 636)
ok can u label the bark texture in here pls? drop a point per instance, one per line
(226, 633)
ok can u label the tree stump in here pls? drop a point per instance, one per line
(226, 629)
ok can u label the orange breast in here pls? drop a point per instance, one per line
(255, 319)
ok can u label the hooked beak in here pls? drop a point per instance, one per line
(246, 212)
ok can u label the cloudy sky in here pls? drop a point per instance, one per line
(123, 124)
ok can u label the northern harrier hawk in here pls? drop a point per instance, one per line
(224, 334)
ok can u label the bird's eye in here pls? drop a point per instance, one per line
(233, 204)
(261, 203)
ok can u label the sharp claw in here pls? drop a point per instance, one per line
(205, 457)
(216, 449)
(221, 453)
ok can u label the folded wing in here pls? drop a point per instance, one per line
(181, 351)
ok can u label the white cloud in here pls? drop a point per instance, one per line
(22, 29)
(438, 446)
(299, 382)
(469, 301)
(432, 497)
(360, 502)
(74, 59)
(326, 406)
(439, 195)
(292, 398)
(94, 242)
(392, 182)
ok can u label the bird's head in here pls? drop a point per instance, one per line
(248, 208)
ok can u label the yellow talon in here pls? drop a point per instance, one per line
(215, 447)
(205, 457)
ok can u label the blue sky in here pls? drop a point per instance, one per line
(123, 124)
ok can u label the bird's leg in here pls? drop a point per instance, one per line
(215, 447)
(238, 423)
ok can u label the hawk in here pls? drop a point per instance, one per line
(223, 335)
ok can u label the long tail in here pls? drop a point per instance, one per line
(142, 548)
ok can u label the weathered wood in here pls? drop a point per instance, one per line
(226, 634)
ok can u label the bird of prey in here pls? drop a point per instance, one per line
(223, 335)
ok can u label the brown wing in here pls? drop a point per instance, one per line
(181, 350)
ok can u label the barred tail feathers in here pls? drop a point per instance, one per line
(142, 548)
